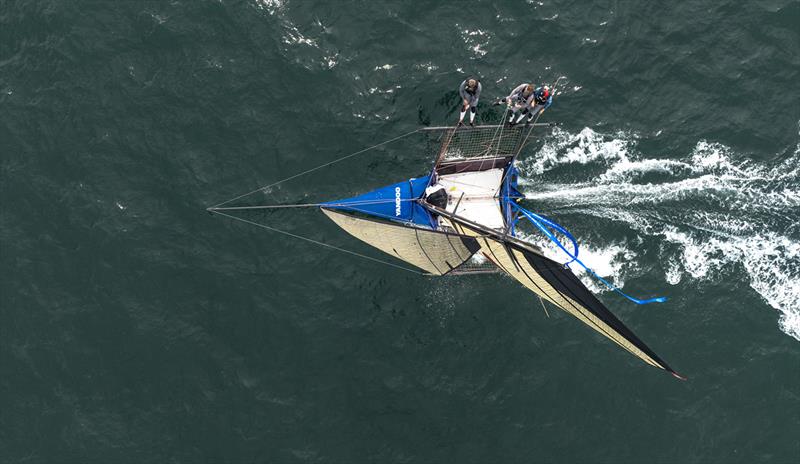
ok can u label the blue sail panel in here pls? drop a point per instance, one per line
(509, 195)
(394, 202)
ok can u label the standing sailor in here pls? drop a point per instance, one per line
(470, 91)
(518, 101)
(542, 99)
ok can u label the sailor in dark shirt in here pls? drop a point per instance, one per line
(542, 99)
(470, 91)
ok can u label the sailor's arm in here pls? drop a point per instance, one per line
(462, 92)
(547, 105)
(516, 94)
(518, 90)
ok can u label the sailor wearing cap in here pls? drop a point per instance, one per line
(542, 99)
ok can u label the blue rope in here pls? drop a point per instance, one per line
(541, 222)
(565, 232)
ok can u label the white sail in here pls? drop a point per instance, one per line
(433, 251)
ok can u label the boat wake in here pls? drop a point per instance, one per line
(714, 212)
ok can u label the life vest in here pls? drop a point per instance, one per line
(541, 95)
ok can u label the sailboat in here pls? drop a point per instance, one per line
(461, 218)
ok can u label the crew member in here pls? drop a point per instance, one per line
(519, 101)
(542, 99)
(470, 91)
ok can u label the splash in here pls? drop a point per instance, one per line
(476, 41)
(271, 6)
(715, 213)
(300, 46)
(611, 262)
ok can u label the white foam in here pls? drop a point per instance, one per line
(294, 36)
(612, 262)
(585, 147)
(476, 40)
(673, 272)
(272, 6)
(332, 60)
(326, 56)
(715, 215)
(770, 261)
(428, 67)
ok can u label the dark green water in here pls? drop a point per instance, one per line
(135, 327)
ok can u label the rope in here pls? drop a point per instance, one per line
(543, 307)
(308, 205)
(316, 242)
(445, 146)
(525, 140)
(313, 169)
(536, 120)
(497, 136)
(535, 219)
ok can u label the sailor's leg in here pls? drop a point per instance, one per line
(512, 115)
(514, 110)
(534, 111)
(464, 108)
(521, 116)
(473, 110)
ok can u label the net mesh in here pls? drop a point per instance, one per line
(466, 143)
(477, 264)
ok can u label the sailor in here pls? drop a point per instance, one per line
(542, 99)
(470, 91)
(518, 101)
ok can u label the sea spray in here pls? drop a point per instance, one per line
(717, 211)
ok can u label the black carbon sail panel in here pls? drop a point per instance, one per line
(555, 283)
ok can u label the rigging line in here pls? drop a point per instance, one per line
(320, 243)
(316, 168)
(498, 134)
(307, 205)
(445, 146)
(534, 220)
(525, 140)
(543, 307)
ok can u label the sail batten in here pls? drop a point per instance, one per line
(554, 283)
(462, 212)
(436, 252)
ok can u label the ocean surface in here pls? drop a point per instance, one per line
(137, 327)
